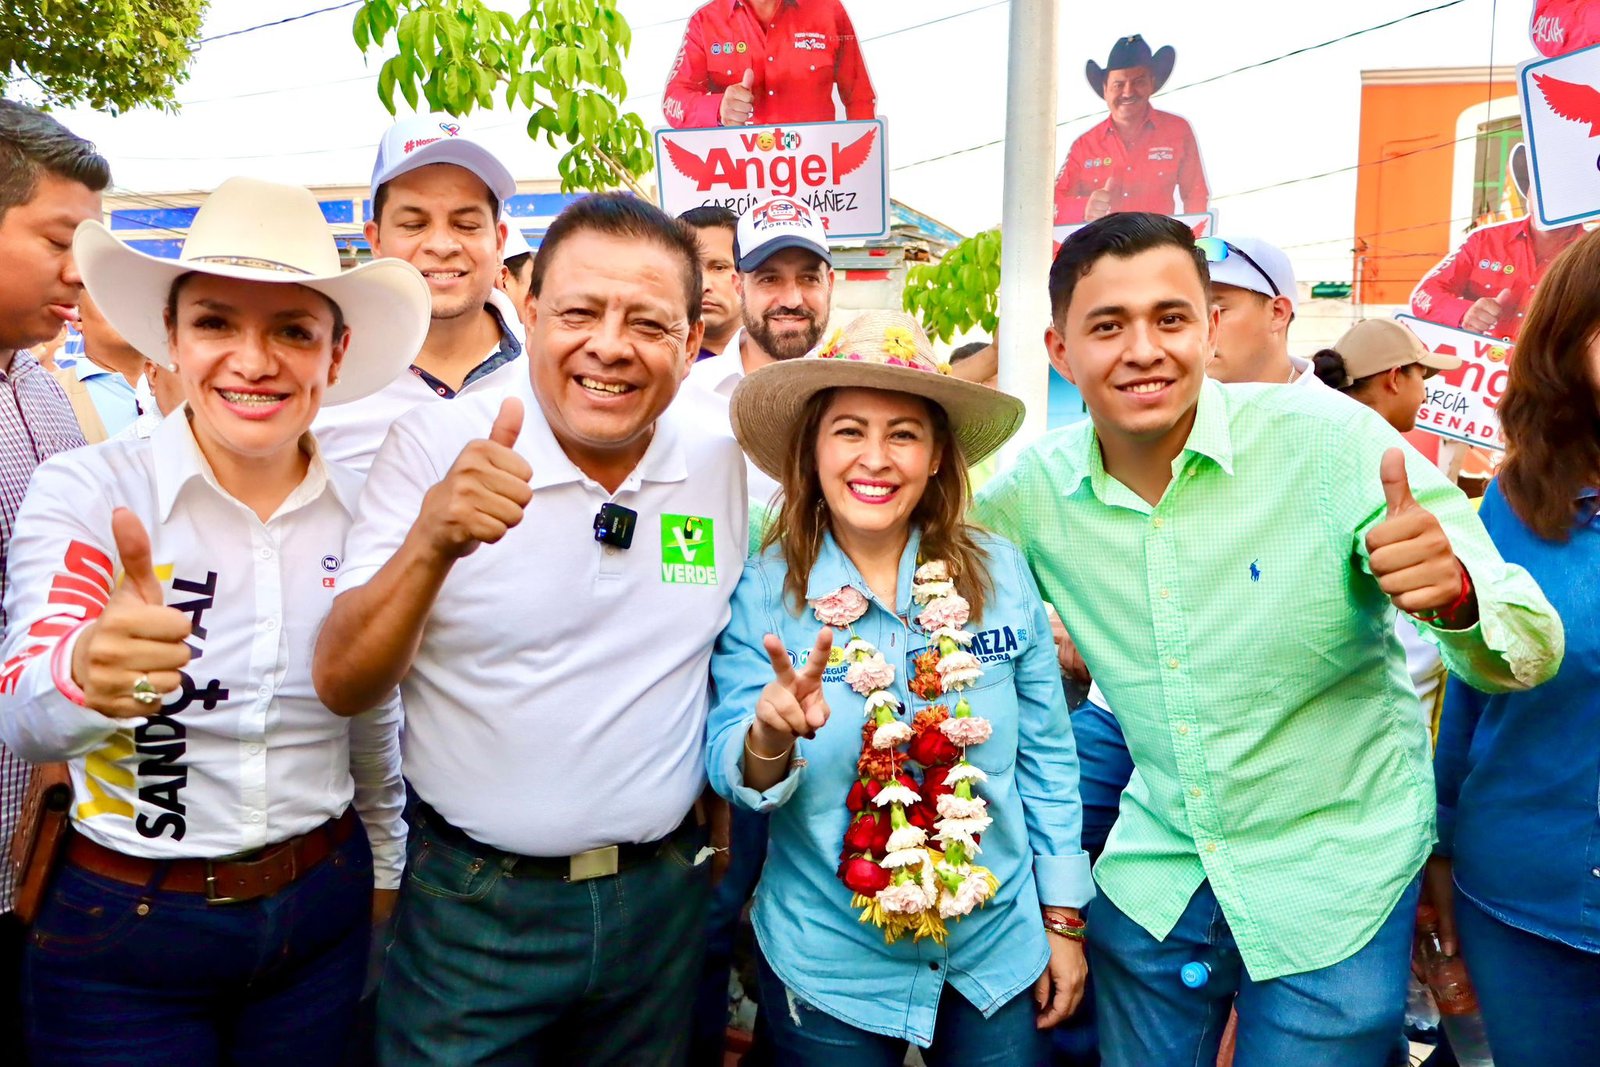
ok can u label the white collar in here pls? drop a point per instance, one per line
(179, 461)
(663, 460)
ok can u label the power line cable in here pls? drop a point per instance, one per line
(278, 22)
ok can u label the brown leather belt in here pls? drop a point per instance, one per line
(221, 881)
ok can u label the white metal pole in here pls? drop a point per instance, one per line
(1030, 156)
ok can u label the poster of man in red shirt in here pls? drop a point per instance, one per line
(1138, 157)
(760, 62)
(1562, 26)
(1486, 285)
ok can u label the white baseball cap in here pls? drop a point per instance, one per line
(516, 243)
(1253, 264)
(423, 139)
(779, 223)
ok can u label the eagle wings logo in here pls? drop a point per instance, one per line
(849, 159)
(1572, 101)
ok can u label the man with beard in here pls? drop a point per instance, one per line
(786, 283)
(720, 307)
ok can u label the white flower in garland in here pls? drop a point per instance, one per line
(896, 793)
(965, 772)
(891, 735)
(907, 837)
(959, 669)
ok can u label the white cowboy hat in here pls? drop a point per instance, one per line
(879, 350)
(264, 232)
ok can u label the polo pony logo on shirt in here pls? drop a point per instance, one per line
(688, 550)
(1255, 570)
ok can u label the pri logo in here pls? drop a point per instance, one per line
(688, 550)
(779, 213)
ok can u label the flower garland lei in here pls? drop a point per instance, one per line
(908, 850)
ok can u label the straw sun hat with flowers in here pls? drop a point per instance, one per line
(878, 350)
(264, 232)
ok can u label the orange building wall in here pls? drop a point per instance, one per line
(1403, 222)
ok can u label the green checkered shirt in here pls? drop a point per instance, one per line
(1252, 661)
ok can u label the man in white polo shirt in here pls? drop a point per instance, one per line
(786, 282)
(436, 201)
(543, 575)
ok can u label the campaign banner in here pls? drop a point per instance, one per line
(1560, 100)
(1203, 223)
(1463, 405)
(840, 170)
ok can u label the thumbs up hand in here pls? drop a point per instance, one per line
(792, 704)
(739, 101)
(483, 494)
(1410, 554)
(136, 638)
(1485, 312)
(1100, 202)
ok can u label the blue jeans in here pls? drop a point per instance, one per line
(747, 853)
(1345, 1015)
(804, 1036)
(492, 964)
(1104, 768)
(1540, 998)
(129, 976)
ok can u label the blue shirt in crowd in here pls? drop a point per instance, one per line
(1519, 774)
(115, 400)
(808, 931)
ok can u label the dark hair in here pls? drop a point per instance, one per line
(1124, 234)
(803, 515)
(519, 263)
(710, 216)
(1329, 366)
(968, 350)
(1549, 412)
(183, 279)
(32, 143)
(625, 216)
(381, 197)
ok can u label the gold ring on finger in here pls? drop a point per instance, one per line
(144, 692)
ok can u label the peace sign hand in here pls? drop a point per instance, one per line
(792, 704)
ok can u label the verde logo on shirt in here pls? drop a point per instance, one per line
(688, 550)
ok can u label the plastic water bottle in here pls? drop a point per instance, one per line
(1453, 993)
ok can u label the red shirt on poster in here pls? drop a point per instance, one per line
(1492, 260)
(798, 57)
(1143, 175)
(1562, 26)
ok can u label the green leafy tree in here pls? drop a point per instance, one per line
(960, 291)
(113, 56)
(562, 58)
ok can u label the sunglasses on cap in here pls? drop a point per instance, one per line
(1215, 249)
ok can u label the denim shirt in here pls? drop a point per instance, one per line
(803, 918)
(1517, 773)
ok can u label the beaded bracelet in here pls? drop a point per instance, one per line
(1065, 926)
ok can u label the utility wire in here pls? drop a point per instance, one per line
(278, 22)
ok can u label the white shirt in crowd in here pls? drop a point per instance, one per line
(1305, 373)
(558, 700)
(350, 434)
(710, 385)
(244, 755)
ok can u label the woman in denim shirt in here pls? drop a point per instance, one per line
(1519, 774)
(915, 889)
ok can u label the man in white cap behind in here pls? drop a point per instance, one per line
(1252, 284)
(437, 195)
(786, 283)
(516, 266)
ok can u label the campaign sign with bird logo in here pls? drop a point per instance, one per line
(839, 170)
(1560, 100)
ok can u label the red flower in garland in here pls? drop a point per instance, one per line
(929, 746)
(868, 832)
(925, 812)
(861, 793)
(864, 876)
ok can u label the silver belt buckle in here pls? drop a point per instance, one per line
(596, 863)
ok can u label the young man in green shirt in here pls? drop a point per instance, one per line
(1229, 561)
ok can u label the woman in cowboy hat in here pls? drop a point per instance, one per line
(212, 901)
(1138, 157)
(887, 686)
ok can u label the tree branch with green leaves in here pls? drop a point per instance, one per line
(960, 291)
(562, 58)
(112, 56)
